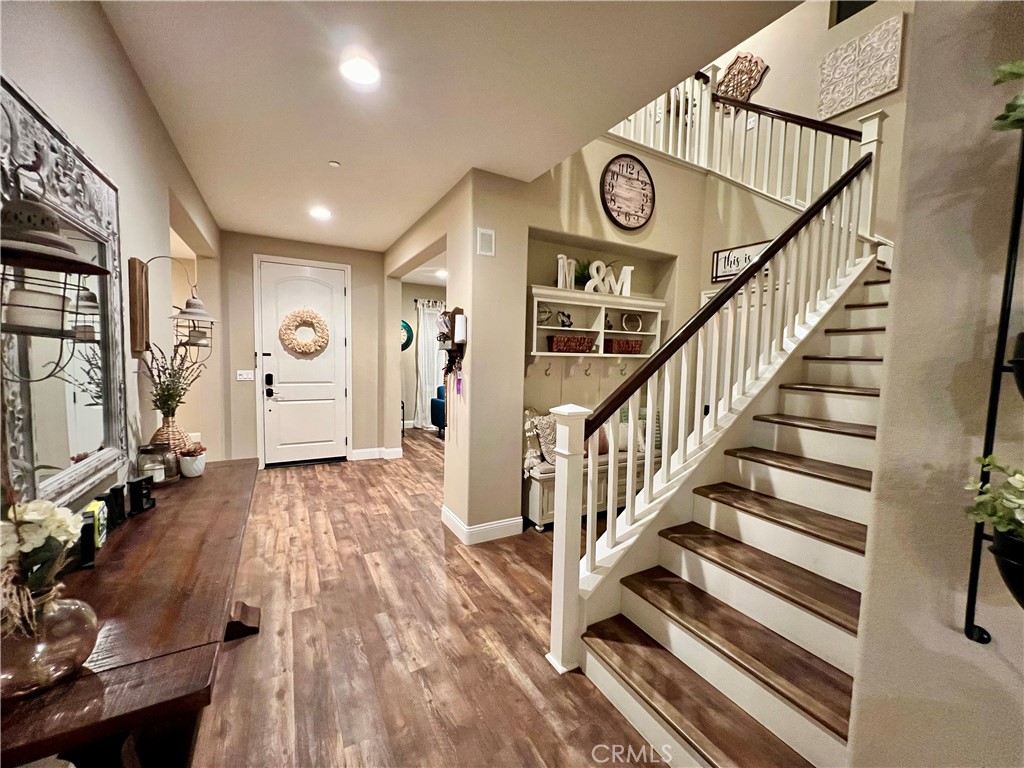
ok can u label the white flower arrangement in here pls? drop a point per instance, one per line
(1002, 505)
(34, 540)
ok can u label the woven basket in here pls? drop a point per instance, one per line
(173, 435)
(623, 346)
(577, 345)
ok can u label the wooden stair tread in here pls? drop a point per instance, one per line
(841, 474)
(867, 431)
(878, 281)
(868, 305)
(833, 389)
(813, 685)
(855, 330)
(844, 358)
(821, 525)
(719, 730)
(827, 599)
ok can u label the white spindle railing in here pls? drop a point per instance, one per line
(780, 154)
(673, 406)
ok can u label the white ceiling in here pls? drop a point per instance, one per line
(427, 274)
(251, 95)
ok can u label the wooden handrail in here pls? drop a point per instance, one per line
(702, 316)
(789, 117)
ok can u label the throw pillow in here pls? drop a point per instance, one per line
(546, 433)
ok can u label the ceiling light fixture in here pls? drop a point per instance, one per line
(359, 67)
(320, 213)
(441, 273)
(334, 164)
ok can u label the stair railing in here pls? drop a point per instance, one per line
(669, 411)
(788, 157)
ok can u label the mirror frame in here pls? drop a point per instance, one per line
(87, 199)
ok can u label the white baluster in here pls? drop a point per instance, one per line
(633, 417)
(769, 314)
(780, 170)
(611, 428)
(836, 249)
(700, 386)
(744, 338)
(795, 175)
(767, 152)
(826, 180)
(731, 311)
(811, 157)
(564, 652)
(715, 371)
(779, 324)
(673, 102)
(758, 306)
(685, 408)
(669, 391)
(593, 451)
(857, 195)
(652, 403)
(707, 112)
(755, 147)
(743, 119)
(805, 255)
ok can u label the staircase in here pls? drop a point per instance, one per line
(719, 609)
(737, 648)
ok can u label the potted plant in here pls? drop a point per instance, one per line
(193, 460)
(1002, 506)
(44, 637)
(172, 377)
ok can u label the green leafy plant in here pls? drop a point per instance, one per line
(171, 376)
(197, 449)
(1012, 118)
(1002, 505)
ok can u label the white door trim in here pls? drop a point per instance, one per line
(257, 326)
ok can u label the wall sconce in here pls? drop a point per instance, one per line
(193, 325)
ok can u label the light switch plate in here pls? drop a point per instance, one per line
(245, 376)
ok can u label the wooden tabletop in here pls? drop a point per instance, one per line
(162, 591)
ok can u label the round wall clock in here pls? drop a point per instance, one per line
(406, 335)
(627, 192)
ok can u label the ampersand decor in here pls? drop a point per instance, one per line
(304, 318)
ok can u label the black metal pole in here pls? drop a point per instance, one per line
(972, 630)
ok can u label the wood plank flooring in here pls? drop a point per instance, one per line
(387, 642)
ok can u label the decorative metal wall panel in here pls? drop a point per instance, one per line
(862, 69)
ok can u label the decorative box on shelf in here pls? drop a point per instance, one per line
(573, 323)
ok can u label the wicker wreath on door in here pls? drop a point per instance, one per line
(304, 318)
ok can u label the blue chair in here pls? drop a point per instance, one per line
(437, 412)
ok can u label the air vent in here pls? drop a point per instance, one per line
(484, 242)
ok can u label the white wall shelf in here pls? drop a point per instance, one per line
(588, 312)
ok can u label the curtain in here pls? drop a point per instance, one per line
(429, 360)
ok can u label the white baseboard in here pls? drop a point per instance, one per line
(478, 534)
(365, 454)
(408, 423)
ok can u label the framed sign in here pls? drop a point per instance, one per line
(627, 192)
(729, 262)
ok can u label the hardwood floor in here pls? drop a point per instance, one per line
(387, 642)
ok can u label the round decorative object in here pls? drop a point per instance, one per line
(406, 335)
(304, 318)
(632, 322)
(65, 634)
(543, 314)
(627, 192)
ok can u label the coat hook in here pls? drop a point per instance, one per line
(622, 370)
(547, 371)
(586, 372)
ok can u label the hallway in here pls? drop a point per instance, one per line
(385, 641)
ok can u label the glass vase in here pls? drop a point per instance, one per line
(65, 635)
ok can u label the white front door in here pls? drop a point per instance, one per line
(303, 395)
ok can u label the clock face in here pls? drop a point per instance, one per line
(627, 192)
(406, 335)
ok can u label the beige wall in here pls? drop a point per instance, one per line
(66, 57)
(925, 695)
(234, 307)
(411, 292)
(793, 47)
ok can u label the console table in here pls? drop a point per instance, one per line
(162, 590)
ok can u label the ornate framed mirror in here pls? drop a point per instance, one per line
(64, 413)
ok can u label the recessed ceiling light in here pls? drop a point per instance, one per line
(320, 213)
(334, 164)
(441, 273)
(360, 68)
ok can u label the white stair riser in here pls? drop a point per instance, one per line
(822, 638)
(845, 373)
(823, 495)
(825, 405)
(813, 741)
(873, 344)
(829, 560)
(826, 446)
(859, 316)
(871, 293)
(660, 736)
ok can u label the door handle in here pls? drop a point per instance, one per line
(268, 379)
(269, 392)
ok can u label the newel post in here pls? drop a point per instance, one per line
(871, 141)
(565, 561)
(707, 116)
